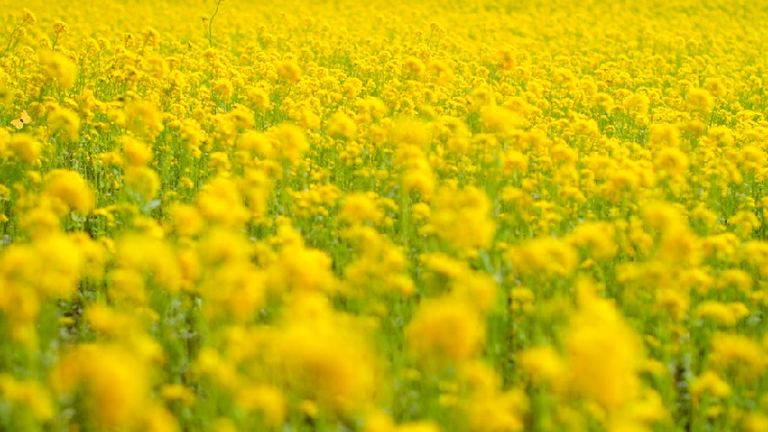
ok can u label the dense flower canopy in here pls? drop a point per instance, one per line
(383, 216)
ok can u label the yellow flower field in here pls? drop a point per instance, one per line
(384, 216)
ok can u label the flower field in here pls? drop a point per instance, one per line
(384, 216)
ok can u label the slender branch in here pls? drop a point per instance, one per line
(12, 37)
(210, 23)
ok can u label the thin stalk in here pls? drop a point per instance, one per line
(210, 23)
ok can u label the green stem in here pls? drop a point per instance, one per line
(210, 23)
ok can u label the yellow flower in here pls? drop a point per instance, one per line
(462, 218)
(60, 68)
(380, 267)
(325, 357)
(360, 207)
(445, 329)
(257, 142)
(143, 181)
(500, 120)
(514, 161)
(290, 143)
(671, 162)
(135, 152)
(543, 364)
(70, 189)
(497, 411)
(28, 394)
(186, 219)
(410, 132)
(662, 216)
(60, 27)
(755, 422)
(25, 147)
(637, 105)
(222, 87)
(66, 122)
(143, 118)
(233, 290)
(303, 269)
(547, 255)
(745, 223)
(341, 125)
(178, 392)
(602, 353)
(699, 100)
(267, 400)
(289, 70)
(414, 66)
(709, 383)
(418, 426)
(663, 136)
(739, 353)
(148, 256)
(597, 237)
(721, 313)
(259, 97)
(116, 383)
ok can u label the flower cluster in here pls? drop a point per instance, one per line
(482, 215)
